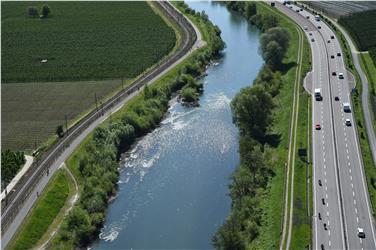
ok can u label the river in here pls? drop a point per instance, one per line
(173, 187)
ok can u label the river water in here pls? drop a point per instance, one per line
(173, 187)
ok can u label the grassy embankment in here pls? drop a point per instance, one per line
(79, 47)
(369, 68)
(274, 201)
(370, 170)
(44, 212)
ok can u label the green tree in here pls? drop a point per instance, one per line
(46, 11)
(60, 130)
(250, 9)
(251, 110)
(189, 95)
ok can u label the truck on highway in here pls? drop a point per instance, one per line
(346, 107)
(317, 18)
(318, 96)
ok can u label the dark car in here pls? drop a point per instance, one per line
(307, 17)
(334, 73)
(338, 54)
(336, 98)
(332, 37)
(322, 247)
(319, 27)
(318, 126)
(320, 183)
(323, 201)
(332, 56)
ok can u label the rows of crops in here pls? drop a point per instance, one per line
(32, 111)
(362, 27)
(337, 9)
(81, 41)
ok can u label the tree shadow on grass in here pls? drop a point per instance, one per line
(273, 140)
(285, 67)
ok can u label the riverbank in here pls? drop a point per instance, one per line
(95, 162)
(264, 232)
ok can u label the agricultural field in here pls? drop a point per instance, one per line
(105, 41)
(32, 111)
(81, 41)
(336, 9)
(362, 28)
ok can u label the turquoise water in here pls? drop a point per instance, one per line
(173, 185)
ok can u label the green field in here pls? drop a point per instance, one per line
(362, 28)
(116, 40)
(81, 41)
(43, 214)
(32, 111)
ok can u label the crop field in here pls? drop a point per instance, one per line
(81, 41)
(337, 9)
(362, 28)
(32, 111)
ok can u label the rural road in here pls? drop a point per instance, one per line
(339, 189)
(25, 197)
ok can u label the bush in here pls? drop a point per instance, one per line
(46, 11)
(189, 95)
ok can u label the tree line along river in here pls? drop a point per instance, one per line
(174, 183)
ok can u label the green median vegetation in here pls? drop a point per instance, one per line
(43, 214)
(95, 163)
(263, 113)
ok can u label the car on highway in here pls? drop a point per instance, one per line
(328, 41)
(346, 107)
(319, 27)
(310, 33)
(322, 247)
(297, 10)
(332, 56)
(319, 216)
(360, 232)
(325, 227)
(290, 7)
(317, 126)
(323, 201)
(331, 37)
(312, 39)
(305, 28)
(301, 9)
(338, 54)
(307, 17)
(348, 122)
(320, 184)
(340, 75)
(334, 73)
(336, 98)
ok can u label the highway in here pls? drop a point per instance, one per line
(341, 202)
(25, 195)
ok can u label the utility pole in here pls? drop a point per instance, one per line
(66, 123)
(96, 101)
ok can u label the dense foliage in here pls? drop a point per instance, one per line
(362, 27)
(81, 40)
(11, 162)
(249, 10)
(372, 53)
(252, 111)
(273, 45)
(98, 162)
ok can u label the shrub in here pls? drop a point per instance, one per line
(32, 11)
(189, 95)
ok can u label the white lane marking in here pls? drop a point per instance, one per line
(326, 196)
(348, 157)
(354, 202)
(357, 219)
(350, 170)
(351, 177)
(347, 150)
(352, 185)
(327, 213)
(356, 210)
(325, 180)
(330, 243)
(349, 164)
(353, 194)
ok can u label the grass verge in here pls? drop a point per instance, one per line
(273, 199)
(43, 214)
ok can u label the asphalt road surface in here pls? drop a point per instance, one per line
(339, 189)
(101, 116)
